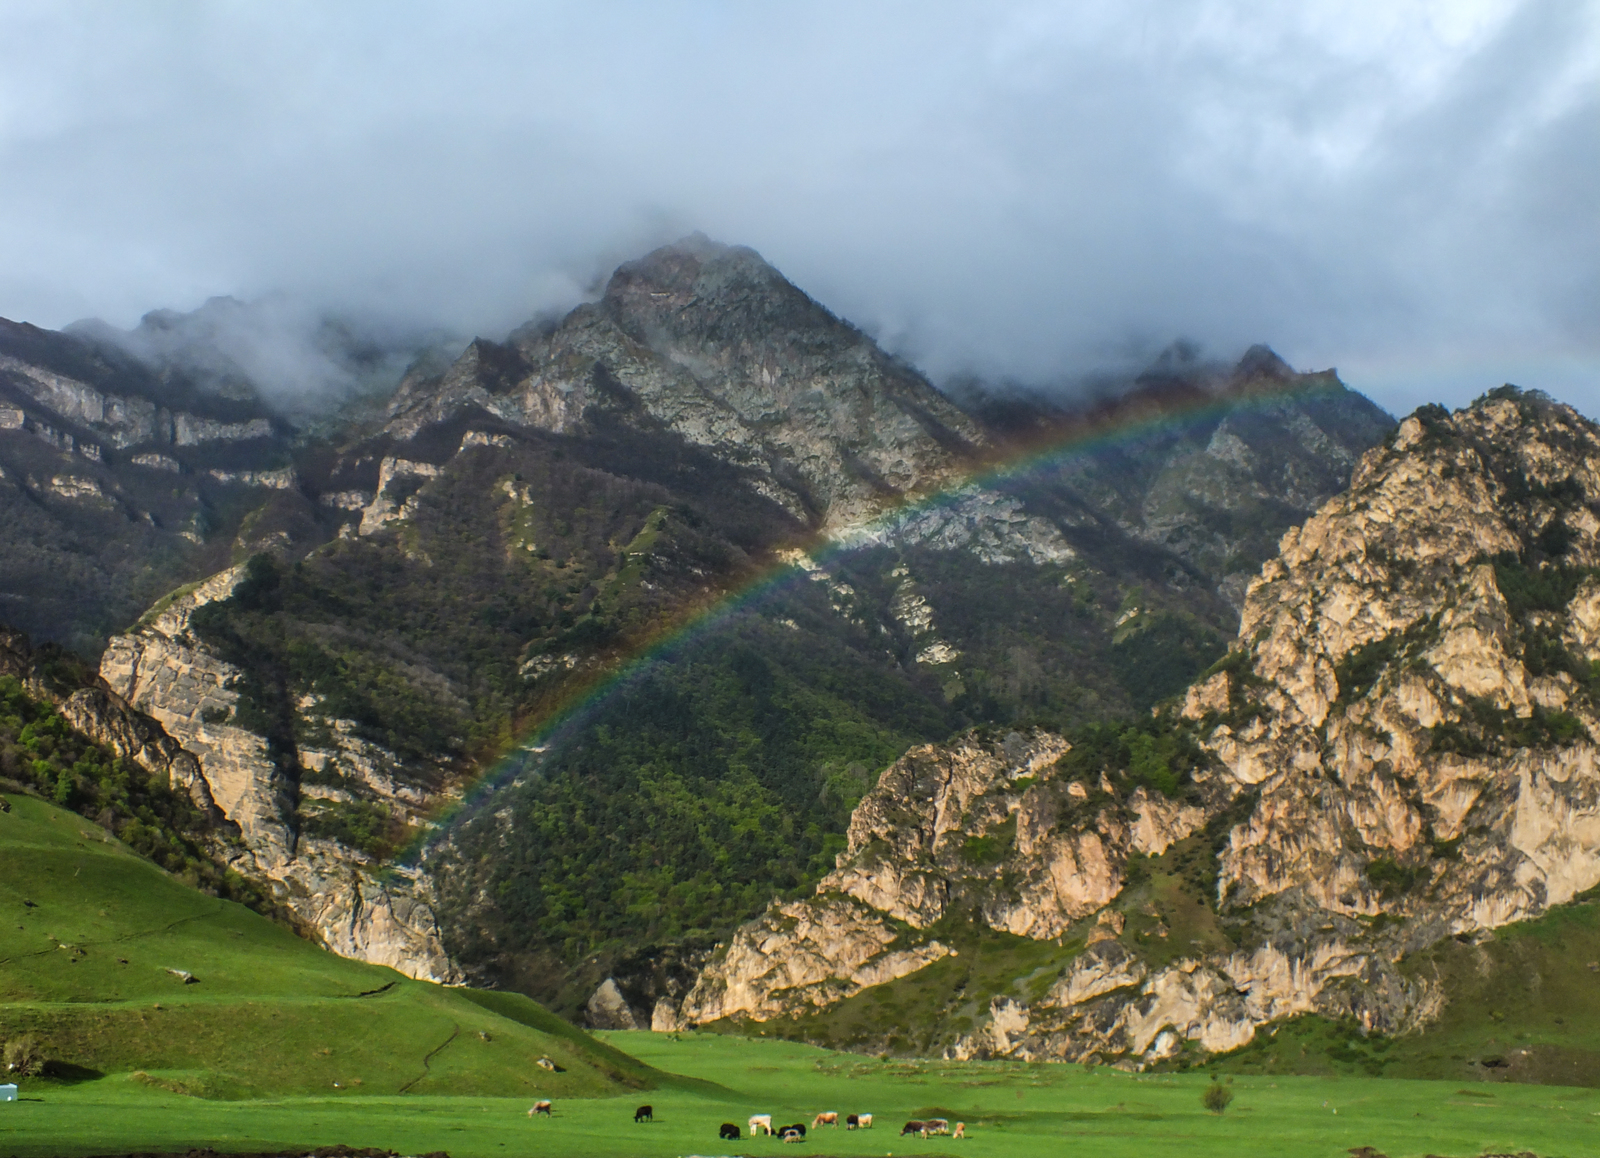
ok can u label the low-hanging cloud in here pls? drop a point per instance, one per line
(1024, 190)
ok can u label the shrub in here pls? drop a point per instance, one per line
(1216, 1097)
(24, 1056)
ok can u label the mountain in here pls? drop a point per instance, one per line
(711, 343)
(346, 646)
(1261, 447)
(1392, 770)
(118, 484)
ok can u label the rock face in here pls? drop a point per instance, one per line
(106, 718)
(160, 670)
(113, 479)
(1405, 731)
(1421, 647)
(711, 342)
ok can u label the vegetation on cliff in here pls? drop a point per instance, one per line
(40, 751)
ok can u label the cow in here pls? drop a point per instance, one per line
(914, 1128)
(645, 1114)
(852, 1121)
(540, 1108)
(798, 1128)
(866, 1121)
(728, 1132)
(793, 1136)
(828, 1118)
(961, 1130)
(937, 1126)
(761, 1123)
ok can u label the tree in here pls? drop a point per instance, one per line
(1216, 1097)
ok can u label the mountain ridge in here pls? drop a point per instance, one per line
(368, 620)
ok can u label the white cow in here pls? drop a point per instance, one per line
(761, 1123)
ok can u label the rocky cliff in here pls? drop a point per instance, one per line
(119, 482)
(160, 669)
(1400, 748)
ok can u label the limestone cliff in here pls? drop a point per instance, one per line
(1401, 747)
(159, 668)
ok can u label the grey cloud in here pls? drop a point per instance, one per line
(1028, 190)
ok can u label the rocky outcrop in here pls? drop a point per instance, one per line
(608, 1009)
(161, 669)
(1413, 694)
(1401, 747)
(107, 719)
(997, 831)
(803, 954)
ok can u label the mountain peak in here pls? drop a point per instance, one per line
(1261, 361)
(694, 267)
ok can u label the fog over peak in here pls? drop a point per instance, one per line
(1027, 191)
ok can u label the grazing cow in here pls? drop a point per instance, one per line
(728, 1132)
(914, 1128)
(865, 1120)
(830, 1118)
(937, 1126)
(761, 1123)
(540, 1108)
(645, 1114)
(798, 1128)
(851, 1121)
(793, 1136)
(961, 1130)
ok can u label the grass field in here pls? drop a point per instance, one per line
(278, 1044)
(1012, 1110)
(89, 935)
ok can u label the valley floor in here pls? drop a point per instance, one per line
(1011, 1109)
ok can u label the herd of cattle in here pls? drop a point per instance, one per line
(761, 1124)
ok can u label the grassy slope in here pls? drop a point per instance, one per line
(89, 931)
(1524, 1006)
(1012, 1110)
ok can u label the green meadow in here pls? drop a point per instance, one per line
(277, 1044)
(1012, 1110)
(91, 938)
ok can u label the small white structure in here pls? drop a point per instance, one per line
(8, 1093)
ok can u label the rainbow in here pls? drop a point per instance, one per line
(1143, 414)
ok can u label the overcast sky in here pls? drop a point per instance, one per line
(1407, 190)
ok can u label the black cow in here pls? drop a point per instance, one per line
(851, 1121)
(913, 1128)
(645, 1114)
(798, 1128)
(729, 1132)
